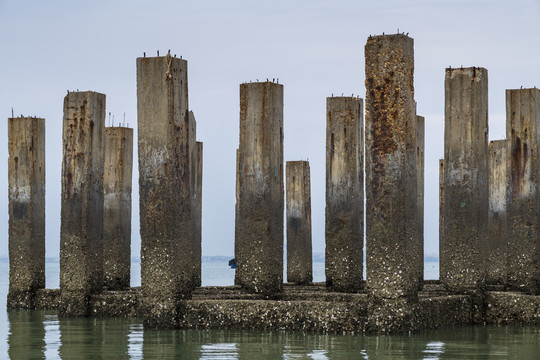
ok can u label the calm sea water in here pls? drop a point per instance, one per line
(38, 335)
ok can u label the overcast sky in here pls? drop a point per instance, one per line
(314, 47)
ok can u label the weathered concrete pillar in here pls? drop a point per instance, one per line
(259, 255)
(497, 238)
(197, 213)
(237, 219)
(344, 226)
(164, 188)
(523, 131)
(420, 145)
(299, 253)
(441, 204)
(26, 174)
(195, 251)
(391, 184)
(117, 175)
(462, 267)
(81, 229)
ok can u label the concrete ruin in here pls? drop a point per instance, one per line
(391, 184)
(117, 176)
(259, 248)
(497, 237)
(95, 171)
(462, 254)
(299, 254)
(164, 188)
(81, 227)
(344, 226)
(26, 176)
(523, 211)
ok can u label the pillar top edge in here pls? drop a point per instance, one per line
(524, 89)
(353, 98)
(25, 118)
(389, 36)
(87, 92)
(462, 69)
(141, 58)
(254, 83)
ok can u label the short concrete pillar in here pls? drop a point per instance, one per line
(26, 174)
(344, 224)
(420, 145)
(299, 253)
(81, 229)
(197, 214)
(164, 189)
(462, 267)
(259, 251)
(522, 131)
(497, 238)
(117, 176)
(391, 184)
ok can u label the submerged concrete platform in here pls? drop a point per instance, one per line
(312, 308)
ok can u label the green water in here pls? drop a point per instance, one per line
(42, 335)
(34, 335)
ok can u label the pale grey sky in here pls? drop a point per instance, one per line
(314, 47)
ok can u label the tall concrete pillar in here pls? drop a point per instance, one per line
(344, 228)
(197, 214)
(117, 207)
(259, 252)
(164, 188)
(522, 132)
(441, 203)
(81, 229)
(299, 253)
(497, 237)
(237, 219)
(195, 251)
(465, 228)
(391, 183)
(420, 145)
(26, 174)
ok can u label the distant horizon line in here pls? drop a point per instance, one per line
(317, 257)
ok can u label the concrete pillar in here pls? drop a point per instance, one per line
(465, 180)
(81, 229)
(26, 174)
(391, 184)
(117, 207)
(164, 188)
(420, 145)
(441, 204)
(197, 214)
(237, 219)
(299, 253)
(344, 194)
(522, 132)
(497, 238)
(259, 254)
(195, 250)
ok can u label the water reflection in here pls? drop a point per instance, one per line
(26, 338)
(35, 334)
